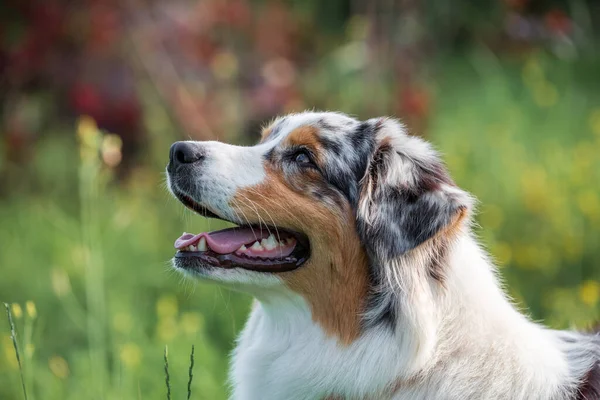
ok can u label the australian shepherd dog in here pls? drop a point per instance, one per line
(356, 245)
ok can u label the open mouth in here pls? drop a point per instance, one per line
(255, 248)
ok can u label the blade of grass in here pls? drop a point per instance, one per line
(190, 374)
(167, 378)
(13, 335)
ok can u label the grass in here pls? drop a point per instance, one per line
(190, 374)
(167, 377)
(13, 336)
(106, 295)
(90, 255)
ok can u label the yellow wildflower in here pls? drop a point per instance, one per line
(130, 355)
(191, 322)
(59, 367)
(17, 312)
(589, 292)
(166, 306)
(167, 329)
(87, 130)
(31, 310)
(60, 282)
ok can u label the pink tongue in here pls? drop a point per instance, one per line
(224, 241)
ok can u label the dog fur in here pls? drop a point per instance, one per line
(398, 300)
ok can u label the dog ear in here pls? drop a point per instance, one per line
(406, 194)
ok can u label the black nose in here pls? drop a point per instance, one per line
(185, 153)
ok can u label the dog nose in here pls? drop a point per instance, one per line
(185, 153)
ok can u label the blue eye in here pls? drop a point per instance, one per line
(302, 158)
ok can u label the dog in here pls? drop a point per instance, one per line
(368, 283)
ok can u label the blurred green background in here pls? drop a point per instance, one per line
(93, 93)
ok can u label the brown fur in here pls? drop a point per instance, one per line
(264, 134)
(304, 136)
(334, 280)
(438, 245)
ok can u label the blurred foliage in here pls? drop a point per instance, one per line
(94, 92)
(104, 301)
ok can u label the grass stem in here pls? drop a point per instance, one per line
(167, 378)
(190, 374)
(13, 336)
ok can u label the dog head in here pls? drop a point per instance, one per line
(324, 204)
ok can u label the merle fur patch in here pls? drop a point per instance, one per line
(402, 216)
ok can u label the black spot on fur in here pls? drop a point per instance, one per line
(324, 193)
(590, 387)
(355, 148)
(436, 264)
(362, 141)
(348, 187)
(364, 132)
(323, 124)
(276, 130)
(270, 155)
(386, 315)
(433, 176)
(330, 145)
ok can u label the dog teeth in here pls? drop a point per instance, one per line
(202, 244)
(269, 243)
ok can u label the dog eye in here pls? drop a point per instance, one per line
(302, 158)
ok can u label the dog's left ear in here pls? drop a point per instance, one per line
(406, 194)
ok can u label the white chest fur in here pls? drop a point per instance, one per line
(290, 357)
(475, 346)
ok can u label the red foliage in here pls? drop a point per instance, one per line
(85, 100)
(558, 21)
(414, 102)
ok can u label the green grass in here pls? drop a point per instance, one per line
(92, 256)
(13, 337)
(167, 376)
(96, 265)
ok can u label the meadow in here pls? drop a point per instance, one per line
(84, 256)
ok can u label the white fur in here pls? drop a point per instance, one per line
(227, 169)
(466, 342)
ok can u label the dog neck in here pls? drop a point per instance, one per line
(465, 334)
(458, 339)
